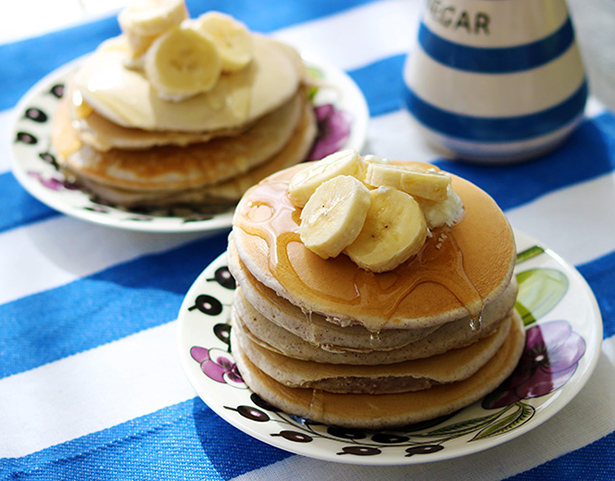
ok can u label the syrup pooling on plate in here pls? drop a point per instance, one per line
(271, 216)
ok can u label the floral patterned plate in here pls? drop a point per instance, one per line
(340, 108)
(564, 338)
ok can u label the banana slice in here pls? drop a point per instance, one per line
(304, 183)
(447, 212)
(233, 39)
(394, 230)
(144, 20)
(334, 215)
(182, 63)
(365, 161)
(427, 184)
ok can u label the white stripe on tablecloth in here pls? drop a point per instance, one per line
(115, 382)
(577, 222)
(36, 263)
(587, 418)
(360, 36)
(396, 136)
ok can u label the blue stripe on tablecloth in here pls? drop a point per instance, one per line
(588, 153)
(109, 305)
(186, 441)
(492, 60)
(600, 275)
(17, 206)
(497, 129)
(382, 84)
(594, 461)
(277, 14)
(25, 62)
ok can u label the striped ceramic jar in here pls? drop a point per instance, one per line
(496, 80)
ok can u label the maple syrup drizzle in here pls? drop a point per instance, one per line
(270, 215)
(311, 331)
(317, 404)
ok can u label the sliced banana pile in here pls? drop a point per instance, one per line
(183, 57)
(377, 213)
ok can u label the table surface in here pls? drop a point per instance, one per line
(90, 381)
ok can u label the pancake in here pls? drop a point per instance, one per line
(382, 411)
(421, 340)
(125, 97)
(459, 270)
(316, 330)
(174, 167)
(452, 335)
(224, 193)
(102, 134)
(414, 375)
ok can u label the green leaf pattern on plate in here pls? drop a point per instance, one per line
(517, 418)
(540, 290)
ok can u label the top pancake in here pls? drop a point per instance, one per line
(459, 269)
(126, 98)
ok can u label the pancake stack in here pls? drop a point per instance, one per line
(325, 338)
(180, 111)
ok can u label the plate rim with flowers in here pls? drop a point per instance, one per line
(561, 317)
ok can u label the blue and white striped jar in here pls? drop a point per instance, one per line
(496, 80)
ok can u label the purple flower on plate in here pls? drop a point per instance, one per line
(550, 358)
(333, 131)
(51, 182)
(217, 365)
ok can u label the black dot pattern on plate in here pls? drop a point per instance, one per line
(37, 115)
(223, 332)
(57, 90)
(207, 305)
(360, 450)
(294, 436)
(224, 277)
(49, 159)
(389, 438)
(346, 433)
(253, 414)
(26, 138)
(424, 449)
(260, 402)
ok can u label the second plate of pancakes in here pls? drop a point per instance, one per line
(36, 168)
(558, 311)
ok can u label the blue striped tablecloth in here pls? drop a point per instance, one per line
(90, 381)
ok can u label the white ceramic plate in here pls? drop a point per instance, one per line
(564, 327)
(35, 168)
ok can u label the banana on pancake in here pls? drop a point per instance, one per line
(315, 330)
(129, 142)
(367, 247)
(382, 411)
(223, 193)
(452, 335)
(414, 375)
(459, 270)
